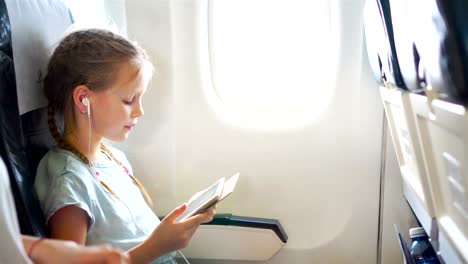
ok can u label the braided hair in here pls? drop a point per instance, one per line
(88, 57)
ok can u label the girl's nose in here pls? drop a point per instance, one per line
(138, 110)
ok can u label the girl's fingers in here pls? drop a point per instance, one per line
(211, 211)
(176, 213)
(198, 219)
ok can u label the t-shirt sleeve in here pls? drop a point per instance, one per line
(67, 189)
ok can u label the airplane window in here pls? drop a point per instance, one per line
(271, 60)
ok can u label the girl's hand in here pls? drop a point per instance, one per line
(172, 235)
(169, 235)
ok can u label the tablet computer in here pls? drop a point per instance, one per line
(209, 197)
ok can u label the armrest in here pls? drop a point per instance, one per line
(230, 237)
(253, 222)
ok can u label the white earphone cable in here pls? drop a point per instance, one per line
(89, 128)
(93, 170)
(183, 256)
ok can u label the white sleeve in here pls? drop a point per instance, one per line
(12, 250)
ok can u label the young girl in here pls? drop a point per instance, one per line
(95, 81)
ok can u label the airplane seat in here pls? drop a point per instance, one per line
(380, 43)
(429, 121)
(28, 31)
(442, 117)
(442, 40)
(386, 24)
(13, 144)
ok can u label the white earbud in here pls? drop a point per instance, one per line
(85, 101)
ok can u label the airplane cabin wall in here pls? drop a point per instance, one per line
(395, 209)
(321, 180)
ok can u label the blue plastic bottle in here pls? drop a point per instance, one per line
(421, 249)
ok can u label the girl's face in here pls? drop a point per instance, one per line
(114, 111)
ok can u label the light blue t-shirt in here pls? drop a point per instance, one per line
(63, 179)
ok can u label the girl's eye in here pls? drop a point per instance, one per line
(128, 102)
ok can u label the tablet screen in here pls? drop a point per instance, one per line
(201, 202)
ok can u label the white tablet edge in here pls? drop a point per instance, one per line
(212, 200)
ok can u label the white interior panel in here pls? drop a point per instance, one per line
(257, 244)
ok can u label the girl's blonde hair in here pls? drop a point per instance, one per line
(90, 57)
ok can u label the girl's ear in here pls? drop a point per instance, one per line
(80, 92)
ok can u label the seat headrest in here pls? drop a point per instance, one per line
(36, 26)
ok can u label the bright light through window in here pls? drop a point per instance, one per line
(270, 59)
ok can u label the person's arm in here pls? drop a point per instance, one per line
(69, 223)
(169, 236)
(57, 251)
